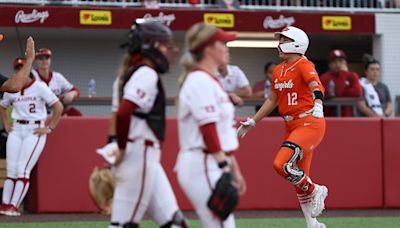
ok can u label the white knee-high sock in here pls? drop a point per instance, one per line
(305, 203)
(21, 188)
(8, 190)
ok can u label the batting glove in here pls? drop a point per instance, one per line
(318, 110)
(245, 127)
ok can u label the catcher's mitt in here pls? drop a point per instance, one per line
(101, 186)
(224, 197)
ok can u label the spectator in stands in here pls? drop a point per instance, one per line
(340, 82)
(151, 4)
(229, 4)
(235, 83)
(377, 100)
(60, 86)
(262, 88)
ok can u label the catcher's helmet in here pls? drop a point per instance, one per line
(145, 37)
(299, 37)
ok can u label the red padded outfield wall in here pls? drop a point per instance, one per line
(349, 161)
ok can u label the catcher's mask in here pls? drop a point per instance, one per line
(145, 38)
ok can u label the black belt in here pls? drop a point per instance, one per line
(28, 121)
(146, 142)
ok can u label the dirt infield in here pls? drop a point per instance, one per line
(241, 214)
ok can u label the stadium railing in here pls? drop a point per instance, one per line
(296, 5)
(338, 103)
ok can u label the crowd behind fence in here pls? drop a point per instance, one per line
(311, 5)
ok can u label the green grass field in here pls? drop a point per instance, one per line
(365, 222)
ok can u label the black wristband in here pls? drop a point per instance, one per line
(222, 164)
(318, 95)
(111, 138)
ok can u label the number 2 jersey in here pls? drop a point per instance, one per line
(290, 83)
(30, 102)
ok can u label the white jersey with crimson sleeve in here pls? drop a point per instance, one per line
(202, 100)
(30, 103)
(141, 183)
(141, 89)
(56, 81)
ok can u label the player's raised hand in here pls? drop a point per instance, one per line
(245, 127)
(30, 49)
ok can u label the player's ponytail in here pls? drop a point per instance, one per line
(123, 73)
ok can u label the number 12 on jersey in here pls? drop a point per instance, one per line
(292, 98)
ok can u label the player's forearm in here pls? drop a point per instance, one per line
(244, 91)
(268, 106)
(57, 111)
(113, 120)
(362, 106)
(389, 109)
(259, 94)
(17, 81)
(4, 115)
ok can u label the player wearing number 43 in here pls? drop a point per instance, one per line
(27, 135)
(298, 92)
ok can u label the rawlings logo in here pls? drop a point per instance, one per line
(283, 85)
(280, 22)
(167, 19)
(21, 17)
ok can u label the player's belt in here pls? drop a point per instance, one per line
(301, 115)
(146, 142)
(28, 121)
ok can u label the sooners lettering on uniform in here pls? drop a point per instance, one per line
(140, 93)
(209, 108)
(283, 85)
(23, 99)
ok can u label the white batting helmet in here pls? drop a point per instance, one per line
(299, 37)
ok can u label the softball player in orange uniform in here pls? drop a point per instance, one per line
(298, 92)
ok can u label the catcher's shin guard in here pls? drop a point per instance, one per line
(178, 219)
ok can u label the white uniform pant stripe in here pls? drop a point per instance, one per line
(143, 183)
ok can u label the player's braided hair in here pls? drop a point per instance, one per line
(123, 73)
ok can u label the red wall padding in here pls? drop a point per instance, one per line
(391, 162)
(349, 162)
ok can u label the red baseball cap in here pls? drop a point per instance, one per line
(219, 35)
(336, 54)
(19, 62)
(43, 51)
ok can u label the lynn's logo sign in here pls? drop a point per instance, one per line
(22, 17)
(337, 23)
(222, 20)
(95, 17)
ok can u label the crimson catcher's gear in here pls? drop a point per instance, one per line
(101, 186)
(224, 197)
(145, 38)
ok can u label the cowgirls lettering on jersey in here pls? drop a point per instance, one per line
(283, 85)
